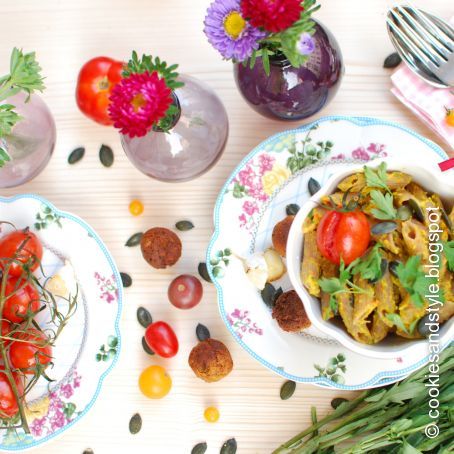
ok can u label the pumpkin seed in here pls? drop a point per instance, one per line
(423, 326)
(184, 226)
(337, 401)
(392, 60)
(202, 332)
(393, 267)
(106, 156)
(383, 227)
(88, 451)
(135, 424)
(229, 447)
(76, 155)
(404, 212)
(416, 209)
(199, 448)
(146, 347)
(203, 271)
(287, 389)
(292, 209)
(134, 240)
(144, 317)
(270, 294)
(126, 280)
(313, 186)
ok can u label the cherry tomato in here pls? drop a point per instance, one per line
(161, 338)
(211, 414)
(136, 207)
(8, 402)
(185, 291)
(343, 235)
(154, 382)
(450, 116)
(94, 85)
(20, 298)
(31, 349)
(25, 247)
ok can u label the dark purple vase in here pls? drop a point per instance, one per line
(290, 93)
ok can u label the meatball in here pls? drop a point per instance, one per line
(160, 247)
(289, 312)
(210, 360)
(280, 234)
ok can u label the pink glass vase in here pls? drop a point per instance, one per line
(31, 143)
(192, 146)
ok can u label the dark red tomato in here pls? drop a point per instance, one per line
(161, 338)
(19, 299)
(345, 235)
(5, 330)
(185, 291)
(31, 349)
(8, 402)
(25, 247)
(94, 85)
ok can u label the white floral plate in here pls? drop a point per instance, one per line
(254, 199)
(89, 345)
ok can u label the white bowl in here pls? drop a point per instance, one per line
(392, 346)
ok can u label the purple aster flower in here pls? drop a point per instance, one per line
(305, 44)
(229, 33)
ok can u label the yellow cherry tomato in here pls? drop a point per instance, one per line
(154, 382)
(211, 414)
(136, 207)
(450, 116)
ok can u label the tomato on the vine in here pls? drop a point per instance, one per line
(343, 235)
(30, 350)
(8, 402)
(23, 246)
(154, 382)
(96, 80)
(21, 297)
(161, 338)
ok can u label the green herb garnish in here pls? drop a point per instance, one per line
(369, 267)
(384, 206)
(448, 249)
(396, 320)
(377, 178)
(24, 75)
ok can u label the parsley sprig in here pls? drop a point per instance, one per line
(448, 249)
(377, 178)
(369, 267)
(24, 75)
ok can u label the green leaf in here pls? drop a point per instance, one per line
(4, 157)
(397, 321)
(69, 409)
(384, 206)
(377, 178)
(448, 249)
(409, 449)
(330, 285)
(112, 341)
(266, 62)
(369, 267)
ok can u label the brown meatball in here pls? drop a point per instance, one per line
(210, 360)
(160, 247)
(289, 312)
(280, 234)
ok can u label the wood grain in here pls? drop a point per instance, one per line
(67, 33)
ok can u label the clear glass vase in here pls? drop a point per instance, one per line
(289, 93)
(31, 143)
(192, 146)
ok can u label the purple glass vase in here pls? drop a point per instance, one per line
(192, 146)
(31, 143)
(290, 93)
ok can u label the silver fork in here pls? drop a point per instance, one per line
(425, 42)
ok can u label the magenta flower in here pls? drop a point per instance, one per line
(266, 163)
(339, 156)
(58, 420)
(361, 153)
(67, 391)
(246, 176)
(138, 102)
(250, 208)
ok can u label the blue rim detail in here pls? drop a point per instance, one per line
(384, 377)
(116, 273)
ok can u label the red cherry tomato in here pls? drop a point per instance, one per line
(8, 402)
(94, 85)
(25, 247)
(185, 291)
(343, 235)
(20, 298)
(31, 349)
(161, 338)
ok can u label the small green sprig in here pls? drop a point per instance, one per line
(448, 249)
(377, 178)
(24, 75)
(384, 206)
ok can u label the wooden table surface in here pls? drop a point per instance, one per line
(65, 34)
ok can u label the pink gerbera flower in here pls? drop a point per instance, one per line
(138, 102)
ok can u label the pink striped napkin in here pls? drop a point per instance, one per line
(427, 102)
